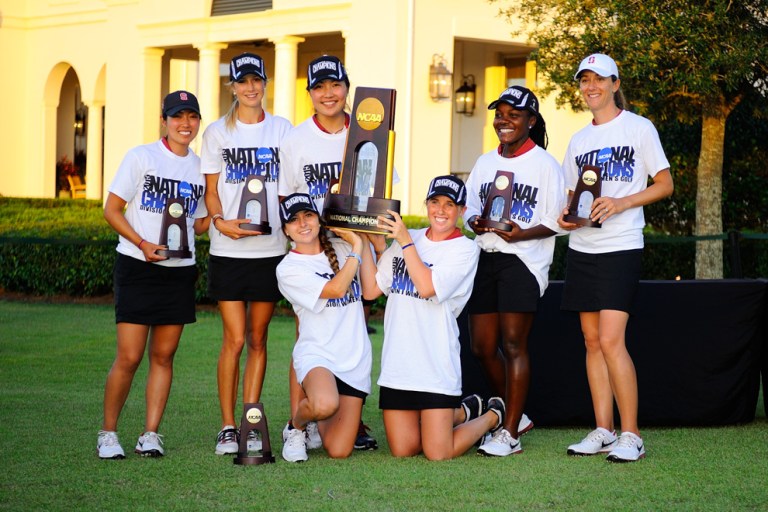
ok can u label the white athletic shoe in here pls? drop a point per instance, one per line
(313, 436)
(501, 444)
(226, 441)
(254, 441)
(629, 448)
(295, 446)
(150, 444)
(599, 440)
(108, 445)
(525, 425)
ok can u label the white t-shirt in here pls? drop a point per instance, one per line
(332, 332)
(538, 198)
(148, 176)
(309, 159)
(421, 337)
(234, 155)
(628, 150)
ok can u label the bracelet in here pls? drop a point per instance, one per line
(356, 256)
(215, 218)
(407, 246)
(142, 241)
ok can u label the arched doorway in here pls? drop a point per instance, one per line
(71, 139)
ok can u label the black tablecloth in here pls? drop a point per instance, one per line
(698, 348)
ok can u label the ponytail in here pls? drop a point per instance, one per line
(538, 133)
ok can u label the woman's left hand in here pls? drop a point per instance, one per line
(397, 228)
(350, 237)
(605, 207)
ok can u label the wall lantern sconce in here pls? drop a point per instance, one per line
(440, 84)
(79, 123)
(465, 96)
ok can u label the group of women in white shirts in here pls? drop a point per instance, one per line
(428, 275)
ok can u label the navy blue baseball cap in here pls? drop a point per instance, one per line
(295, 203)
(246, 64)
(449, 186)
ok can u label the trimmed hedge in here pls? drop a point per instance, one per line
(65, 247)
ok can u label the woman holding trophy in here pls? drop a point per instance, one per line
(311, 157)
(332, 356)
(427, 276)
(604, 263)
(243, 147)
(154, 294)
(517, 245)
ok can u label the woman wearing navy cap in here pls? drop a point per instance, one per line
(332, 357)
(513, 270)
(427, 276)
(311, 156)
(241, 267)
(154, 295)
(603, 265)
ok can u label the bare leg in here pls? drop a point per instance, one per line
(259, 315)
(515, 328)
(164, 340)
(621, 369)
(233, 317)
(484, 330)
(131, 341)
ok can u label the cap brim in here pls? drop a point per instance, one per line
(175, 110)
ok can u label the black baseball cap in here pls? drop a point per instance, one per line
(246, 64)
(326, 67)
(295, 203)
(519, 98)
(449, 186)
(177, 101)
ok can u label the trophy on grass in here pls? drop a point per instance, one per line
(587, 190)
(253, 206)
(253, 419)
(173, 233)
(499, 203)
(364, 190)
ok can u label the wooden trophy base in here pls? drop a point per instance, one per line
(492, 224)
(263, 228)
(253, 419)
(184, 253)
(581, 221)
(339, 213)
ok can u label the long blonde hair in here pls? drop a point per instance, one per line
(230, 118)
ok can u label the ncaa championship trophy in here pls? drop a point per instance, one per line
(253, 419)
(173, 233)
(498, 203)
(587, 190)
(253, 206)
(364, 189)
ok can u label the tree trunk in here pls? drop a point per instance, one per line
(709, 196)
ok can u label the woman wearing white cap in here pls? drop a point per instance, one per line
(241, 267)
(427, 276)
(154, 294)
(604, 263)
(332, 357)
(311, 155)
(513, 270)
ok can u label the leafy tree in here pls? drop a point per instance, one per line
(690, 61)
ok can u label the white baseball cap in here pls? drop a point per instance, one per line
(600, 63)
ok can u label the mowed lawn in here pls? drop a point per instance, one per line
(54, 359)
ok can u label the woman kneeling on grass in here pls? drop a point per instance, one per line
(427, 276)
(332, 356)
(154, 295)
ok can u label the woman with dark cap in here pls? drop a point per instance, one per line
(332, 356)
(513, 270)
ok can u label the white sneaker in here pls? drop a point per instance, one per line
(629, 448)
(254, 441)
(599, 440)
(525, 425)
(150, 444)
(313, 436)
(501, 444)
(295, 446)
(108, 445)
(226, 441)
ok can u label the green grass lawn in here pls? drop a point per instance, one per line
(54, 360)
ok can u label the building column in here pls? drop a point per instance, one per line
(209, 80)
(153, 83)
(94, 147)
(286, 58)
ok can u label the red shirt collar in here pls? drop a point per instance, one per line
(526, 147)
(322, 128)
(456, 234)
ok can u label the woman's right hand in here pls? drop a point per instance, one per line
(564, 224)
(351, 237)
